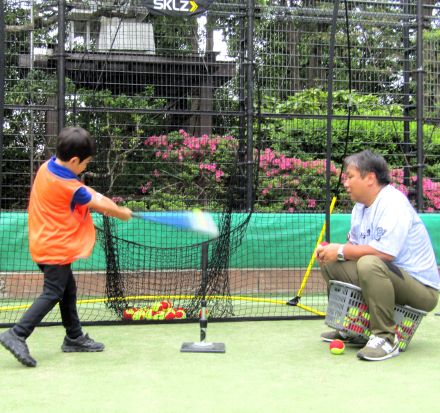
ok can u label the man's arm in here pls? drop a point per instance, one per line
(352, 252)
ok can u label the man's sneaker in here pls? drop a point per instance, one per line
(81, 344)
(378, 349)
(337, 335)
(18, 347)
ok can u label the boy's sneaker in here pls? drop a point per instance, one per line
(329, 336)
(81, 344)
(18, 347)
(378, 349)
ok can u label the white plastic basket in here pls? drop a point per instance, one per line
(347, 312)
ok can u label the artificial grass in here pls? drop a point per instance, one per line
(269, 366)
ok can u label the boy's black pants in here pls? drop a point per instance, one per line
(59, 287)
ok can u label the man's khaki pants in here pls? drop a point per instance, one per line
(383, 285)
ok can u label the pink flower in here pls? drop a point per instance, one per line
(204, 140)
(209, 167)
(311, 203)
(285, 163)
(428, 185)
(145, 188)
(218, 175)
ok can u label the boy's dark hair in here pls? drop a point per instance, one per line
(75, 141)
(367, 161)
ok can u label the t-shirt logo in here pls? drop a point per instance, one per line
(379, 233)
(365, 234)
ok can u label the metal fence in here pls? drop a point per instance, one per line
(305, 79)
(178, 93)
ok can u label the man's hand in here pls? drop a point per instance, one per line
(327, 253)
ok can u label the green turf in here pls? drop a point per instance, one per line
(270, 366)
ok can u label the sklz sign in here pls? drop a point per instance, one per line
(177, 7)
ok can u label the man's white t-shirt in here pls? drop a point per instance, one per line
(392, 226)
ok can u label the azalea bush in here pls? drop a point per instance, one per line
(291, 184)
(431, 189)
(186, 171)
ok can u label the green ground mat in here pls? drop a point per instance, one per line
(270, 366)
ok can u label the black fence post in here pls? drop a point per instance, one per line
(420, 106)
(61, 65)
(250, 104)
(406, 95)
(2, 90)
(330, 119)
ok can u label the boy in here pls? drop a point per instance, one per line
(61, 231)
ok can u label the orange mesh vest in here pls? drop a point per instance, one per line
(58, 235)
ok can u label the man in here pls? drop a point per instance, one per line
(388, 255)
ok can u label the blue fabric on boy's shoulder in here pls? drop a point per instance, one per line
(81, 196)
(60, 170)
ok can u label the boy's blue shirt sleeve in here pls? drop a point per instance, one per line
(82, 196)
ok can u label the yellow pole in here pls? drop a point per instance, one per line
(313, 257)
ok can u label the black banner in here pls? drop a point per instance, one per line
(177, 8)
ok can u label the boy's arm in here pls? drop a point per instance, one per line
(106, 206)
